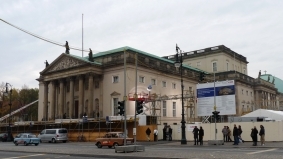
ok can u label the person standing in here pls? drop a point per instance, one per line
(201, 134)
(155, 132)
(170, 133)
(235, 134)
(164, 133)
(240, 133)
(254, 136)
(195, 132)
(224, 132)
(148, 131)
(229, 134)
(262, 135)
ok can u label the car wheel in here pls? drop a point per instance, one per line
(25, 143)
(99, 145)
(35, 144)
(53, 140)
(115, 144)
(16, 143)
(109, 146)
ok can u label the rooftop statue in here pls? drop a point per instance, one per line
(67, 48)
(90, 57)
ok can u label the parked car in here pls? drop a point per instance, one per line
(113, 139)
(4, 137)
(53, 135)
(26, 139)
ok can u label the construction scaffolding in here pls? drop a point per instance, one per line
(153, 104)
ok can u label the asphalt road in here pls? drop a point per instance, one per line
(173, 150)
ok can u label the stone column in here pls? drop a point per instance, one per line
(52, 100)
(81, 96)
(71, 106)
(45, 108)
(61, 99)
(90, 95)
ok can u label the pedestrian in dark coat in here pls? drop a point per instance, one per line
(170, 133)
(229, 134)
(164, 133)
(235, 134)
(195, 132)
(254, 136)
(200, 136)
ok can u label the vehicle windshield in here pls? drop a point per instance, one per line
(121, 135)
(31, 136)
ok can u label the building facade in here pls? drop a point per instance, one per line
(93, 85)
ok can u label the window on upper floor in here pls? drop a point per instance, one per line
(247, 92)
(115, 79)
(141, 79)
(164, 109)
(251, 94)
(174, 109)
(153, 82)
(174, 85)
(242, 91)
(163, 83)
(227, 66)
(244, 71)
(214, 67)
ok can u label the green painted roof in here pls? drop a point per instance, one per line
(85, 59)
(141, 52)
(278, 82)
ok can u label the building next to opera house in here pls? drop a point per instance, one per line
(93, 85)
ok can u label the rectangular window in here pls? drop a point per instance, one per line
(174, 109)
(242, 91)
(163, 84)
(164, 108)
(141, 79)
(244, 71)
(174, 85)
(115, 79)
(153, 82)
(214, 65)
(247, 92)
(227, 65)
(115, 106)
(251, 94)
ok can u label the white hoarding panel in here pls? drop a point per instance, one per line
(224, 98)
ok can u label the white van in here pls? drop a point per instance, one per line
(53, 135)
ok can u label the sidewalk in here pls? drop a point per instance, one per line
(269, 144)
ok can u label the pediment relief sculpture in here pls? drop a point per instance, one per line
(65, 63)
(115, 93)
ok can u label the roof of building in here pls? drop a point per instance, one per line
(273, 114)
(277, 81)
(104, 53)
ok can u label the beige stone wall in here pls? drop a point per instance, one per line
(273, 130)
(221, 59)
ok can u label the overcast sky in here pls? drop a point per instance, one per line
(251, 28)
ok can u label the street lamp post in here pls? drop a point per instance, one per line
(179, 64)
(9, 138)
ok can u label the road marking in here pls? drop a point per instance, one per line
(24, 156)
(251, 153)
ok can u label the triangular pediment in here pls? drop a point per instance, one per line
(115, 94)
(63, 62)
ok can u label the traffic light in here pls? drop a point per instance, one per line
(216, 115)
(139, 107)
(201, 76)
(121, 107)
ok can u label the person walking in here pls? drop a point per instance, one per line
(254, 136)
(195, 132)
(164, 133)
(240, 133)
(170, 133)
(201, 134)
(229, 134)
(235, 134)
(155, 132)
(148, 131)
(225, 132)
(262, 135)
